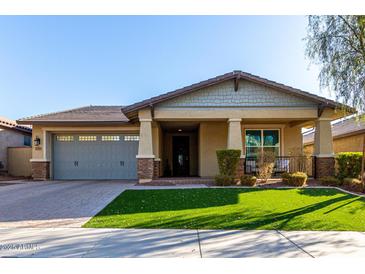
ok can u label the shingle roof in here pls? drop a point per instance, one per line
(342, 128)
(82, 114)
(8, 123)
(229, 76)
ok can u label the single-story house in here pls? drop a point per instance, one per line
(12, 135)
(178, 133)
(347, 136)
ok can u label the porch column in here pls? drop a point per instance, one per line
(145, 155)
(234, 140)
(323, 148)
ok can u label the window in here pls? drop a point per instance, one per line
(258, 140)
(131, 138)
(110, 138)
(65, 138)
(27, 140)
(87, 138)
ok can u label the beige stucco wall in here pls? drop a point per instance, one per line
(156, 138)
(19, 161)
(345, 144)
(212, 136)
(293, 141)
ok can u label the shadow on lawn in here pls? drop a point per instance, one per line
(250, 219)
(142, 201)
(318, 192)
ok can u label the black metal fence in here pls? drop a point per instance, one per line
(283, 164)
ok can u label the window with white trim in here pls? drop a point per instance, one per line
(65, 138)
(257, 140)
(131, 138)
(87, 138)
(109, 138)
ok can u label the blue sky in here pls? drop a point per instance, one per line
(54, 63)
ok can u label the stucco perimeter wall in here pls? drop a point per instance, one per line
(212, 136)
(19, 161)
(345, 144)
(8, 138)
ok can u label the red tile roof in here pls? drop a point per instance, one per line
(11, 124)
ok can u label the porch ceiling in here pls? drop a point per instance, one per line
(176, 126)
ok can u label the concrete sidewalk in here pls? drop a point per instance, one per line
(167, 243)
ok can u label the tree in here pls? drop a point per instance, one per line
(337, 44)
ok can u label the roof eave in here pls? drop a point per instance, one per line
(69, 121)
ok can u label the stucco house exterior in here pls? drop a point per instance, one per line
(12, 135)
(347, 136)
(178, 133)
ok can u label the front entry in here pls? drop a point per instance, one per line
(180, 158)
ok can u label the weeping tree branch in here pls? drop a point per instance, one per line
(337, 44)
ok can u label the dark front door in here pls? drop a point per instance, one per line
(180, 152)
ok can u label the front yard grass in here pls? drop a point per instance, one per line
(234, 208)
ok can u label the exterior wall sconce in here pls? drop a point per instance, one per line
(37, 141)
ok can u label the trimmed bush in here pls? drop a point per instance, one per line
(225, 180)
(349, 164)
(285, 177)
(228, 160)
(353, 184)
(248, 180)
(297, 179)
(330, 181)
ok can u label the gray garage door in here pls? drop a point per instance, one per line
(94, 156)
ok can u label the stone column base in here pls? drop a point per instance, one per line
(324, 166)
(145, 169)
(156, 168)
(40, 170)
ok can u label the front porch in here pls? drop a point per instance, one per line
(187, 148)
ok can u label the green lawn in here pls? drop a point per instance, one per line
(234, 208)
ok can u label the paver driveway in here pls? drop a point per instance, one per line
(55, 204)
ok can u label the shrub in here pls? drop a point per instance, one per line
(353, 184)
(330, 181)
(228, 160)
(248, 180)
(297, 179)
(266, 161)
(225, 180)
(349, 164)
(285, 177)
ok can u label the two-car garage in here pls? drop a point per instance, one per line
(94, 156)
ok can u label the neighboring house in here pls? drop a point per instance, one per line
(347, 136)
(178, 133)
(12, 135)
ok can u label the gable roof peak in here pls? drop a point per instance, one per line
(236, 74)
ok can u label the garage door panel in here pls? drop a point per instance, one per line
(89, 158)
